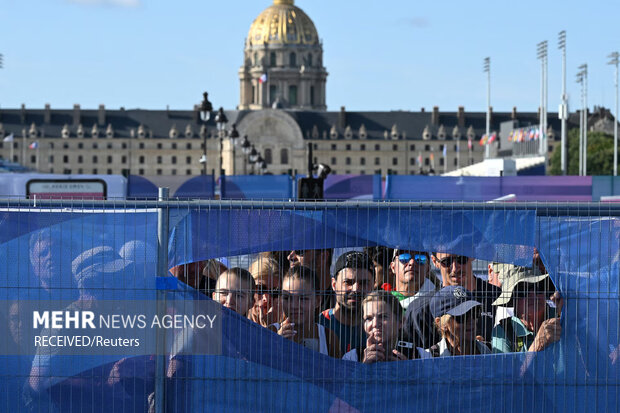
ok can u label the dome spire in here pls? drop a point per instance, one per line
(285, 2)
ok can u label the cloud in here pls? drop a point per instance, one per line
(417, 22)
(114, 3)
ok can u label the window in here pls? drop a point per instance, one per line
(110, 146)
(377, 162)
(80, 145)
(159, 161)
(141, 145)
(110, 159)
(292, 95)
(188, 145)
(441, 161)
(272, 58)
(173, 159)
(348, 147)
(455, 164)
(188, 172)
(272, 93)
(363, 147)
(95, 146)
(334, 147)
(174, 172)
(80, 159)
(310, 59)
(52, 145)
(253, 94)
(348, 161)
(173, 146)
(188, 160)
(65, 159)
(550, 148)
(412, 161)
(159, 172)
(427, 147)
(456, 148)
(377, 147)
(51, 158)
(362, 161)
(395, 147)
(124, 145)
(284, 156)
(141, 159)
(33, 158)
(159, 146)
(95, 171)
(412, 147)
(394, 161)
(123, 159)
(315, 146)
(80, 171)
(65, 145)
(441, 148)
(292, 60)
(427, 162)
(141, 171)
(67, 171)
(268, 156)
(312, 95)
(109, 172)
(334, 161)
(95, 159)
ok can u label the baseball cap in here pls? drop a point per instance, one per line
(512, 278)
(353, 259)
(453, 300)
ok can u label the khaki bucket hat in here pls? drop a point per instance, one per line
(511, 276)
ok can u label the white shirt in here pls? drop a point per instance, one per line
(426, 288)
(445, 352)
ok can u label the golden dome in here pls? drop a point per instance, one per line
(283, 23)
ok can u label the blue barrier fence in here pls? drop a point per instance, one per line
(43, 259)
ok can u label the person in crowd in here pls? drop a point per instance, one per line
(457, 270)
(320, 262)
(412, 270)
(381, 256)
(537, 263)
(234, 290)
(456, 313)
(299, 304)
(534, 325)
(267, 309)
(189, 273)
(210, 273)
(498, 272)
(353, 280)
(382, 321)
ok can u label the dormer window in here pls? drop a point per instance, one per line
(65, 131)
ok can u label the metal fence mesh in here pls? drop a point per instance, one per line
(316, 306)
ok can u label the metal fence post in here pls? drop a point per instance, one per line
(162, 271)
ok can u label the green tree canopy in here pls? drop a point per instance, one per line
(600, 154)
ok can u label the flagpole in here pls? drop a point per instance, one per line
(458, 156)
(37, 162)
(11, 150)
(487, 69)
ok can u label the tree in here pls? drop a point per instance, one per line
(600, 154)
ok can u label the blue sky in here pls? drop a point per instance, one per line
(380, 55)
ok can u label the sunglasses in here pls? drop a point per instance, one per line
(419, 259)
(448, 261)
(473, 314)
(301, 253)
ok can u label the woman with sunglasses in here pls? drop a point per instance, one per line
(300, 305)
(266, 273)
(456, 314)
(412, 276)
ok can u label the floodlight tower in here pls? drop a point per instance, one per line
(487, 70)
(563, 112)
(615, 59)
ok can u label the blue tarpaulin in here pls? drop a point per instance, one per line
(259, 370)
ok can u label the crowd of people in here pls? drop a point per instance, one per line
(384, 304)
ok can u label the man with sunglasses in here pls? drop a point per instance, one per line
(319, 261)
(415, 289)
(457, 270)
(353, 279)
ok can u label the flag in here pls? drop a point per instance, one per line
(531, 135)
(483, 140)
(493, 137)
(263, 78)
(9, 138)
(521, 135)
(420, 159)
(537, 134)
(469, 144)
(445, 150)
(34, 145)
(432, 157)
(510, 135)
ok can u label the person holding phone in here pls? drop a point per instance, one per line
(535, 324)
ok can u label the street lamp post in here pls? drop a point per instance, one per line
(542, 55)
(487, 70)
(564, 105)
(615, 59)
(221, 120)
(253, 157)
(582, 78)
(234, 137)
(245, 148)
(205, 114)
